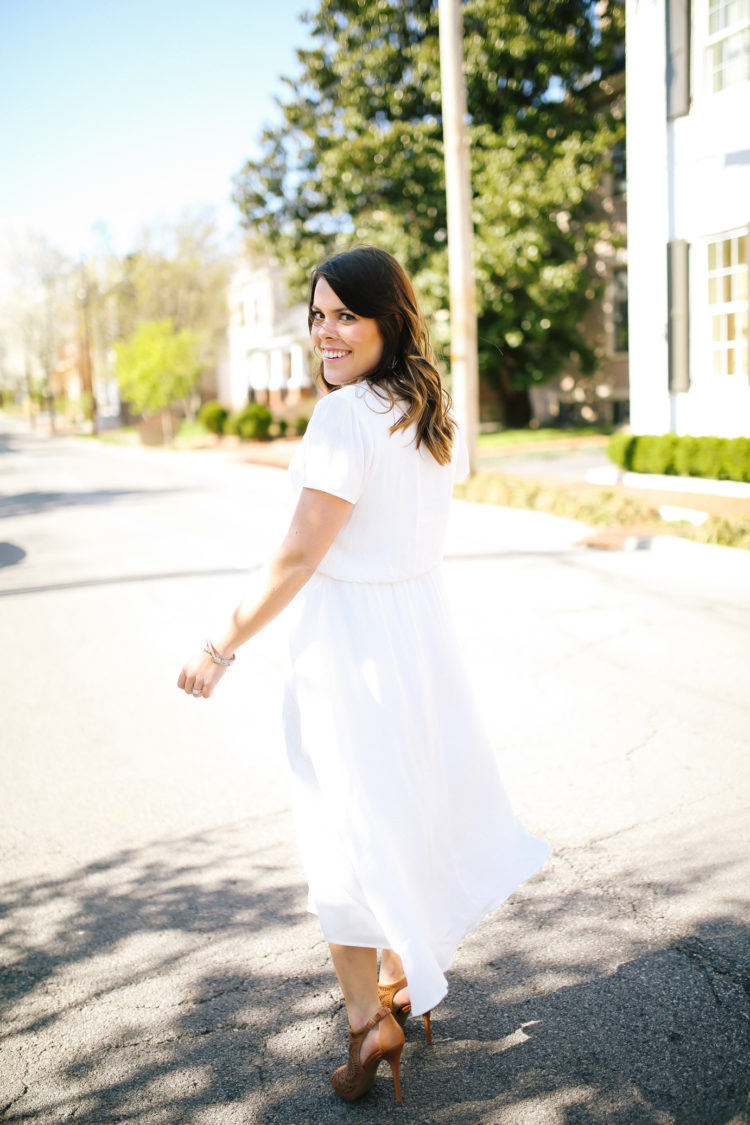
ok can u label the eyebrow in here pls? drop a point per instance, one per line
(341, 308)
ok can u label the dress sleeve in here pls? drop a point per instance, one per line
(333, 452)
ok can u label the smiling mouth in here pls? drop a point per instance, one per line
(328, 354)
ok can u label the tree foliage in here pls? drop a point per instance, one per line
(35, 308)
(358, 157)
(156, 366)
(179, 272)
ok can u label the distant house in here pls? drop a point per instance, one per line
(688, 156)
(269, 345)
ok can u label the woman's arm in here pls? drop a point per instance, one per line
(317, 520)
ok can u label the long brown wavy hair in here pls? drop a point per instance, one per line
(371, 283)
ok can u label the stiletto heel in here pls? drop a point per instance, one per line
(394, 1058)
(353, 1080)
(387, 994)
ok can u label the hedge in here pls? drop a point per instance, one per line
(252, 423)
(212, 416)
(714, 458)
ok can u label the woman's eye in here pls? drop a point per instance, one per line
(347, 316)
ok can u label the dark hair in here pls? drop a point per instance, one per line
(371, 283)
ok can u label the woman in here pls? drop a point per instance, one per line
(405, 832)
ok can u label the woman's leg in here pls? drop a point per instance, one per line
(357, 970)
(391, 968)
(391, 971)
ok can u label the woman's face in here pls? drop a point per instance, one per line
(351, 345)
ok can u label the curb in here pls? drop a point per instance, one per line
(699, 486)
(630, 539)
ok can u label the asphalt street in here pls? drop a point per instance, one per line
(158, 962)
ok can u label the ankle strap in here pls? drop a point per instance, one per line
(379, 1015)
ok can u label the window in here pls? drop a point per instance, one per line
(728, 43)
(728, 304)
(620, 310)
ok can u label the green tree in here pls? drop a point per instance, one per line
(157, 366)
(358, 156)
(179, 271)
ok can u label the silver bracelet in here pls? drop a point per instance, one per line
(209, 650)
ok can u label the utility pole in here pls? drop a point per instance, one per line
(464, 365)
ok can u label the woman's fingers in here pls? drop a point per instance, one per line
(199, 677)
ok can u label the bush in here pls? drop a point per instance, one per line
(300, 424)
(654, 453)
(620, 449)
(735, 460)
(212, 416)
(253, 423)
(714, 458)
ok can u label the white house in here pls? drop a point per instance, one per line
(688, 175)
(269, 344)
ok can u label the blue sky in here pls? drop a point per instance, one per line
(128, 112)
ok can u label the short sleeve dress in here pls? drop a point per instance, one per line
(406, 835)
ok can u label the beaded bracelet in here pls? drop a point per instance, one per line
(209, 650)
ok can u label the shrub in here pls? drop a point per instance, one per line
(685, 456)
(714, 458)
(620, 449)
(654, 453)
(212, 416)
(254, 422)
(735, 460)
(300, 424)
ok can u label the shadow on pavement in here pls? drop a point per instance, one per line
(35, 503)
(125, 579)
(10, 554)
(158, 985)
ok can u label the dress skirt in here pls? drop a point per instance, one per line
(406, 835)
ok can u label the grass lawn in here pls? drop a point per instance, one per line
(123, 435)
(504, 438)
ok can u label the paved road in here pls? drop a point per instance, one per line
(159, 965)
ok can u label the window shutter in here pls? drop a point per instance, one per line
(678, 58)
(677, 289)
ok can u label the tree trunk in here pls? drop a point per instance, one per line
(166, 425)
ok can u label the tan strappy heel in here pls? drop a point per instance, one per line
(386, 994)
(353, 1080)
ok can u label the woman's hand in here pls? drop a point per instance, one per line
(199, 676)
(317, 520)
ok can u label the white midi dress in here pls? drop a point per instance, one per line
(406, 835)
